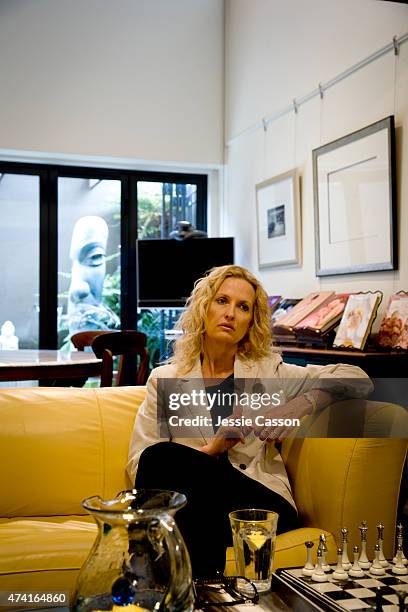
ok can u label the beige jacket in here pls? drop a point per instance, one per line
(262, 460)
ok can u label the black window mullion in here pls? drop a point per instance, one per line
(48, 259)
(201, 211)
(128, 252)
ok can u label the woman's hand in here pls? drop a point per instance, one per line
(296, 408)
(227, 436)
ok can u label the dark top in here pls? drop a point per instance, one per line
(222, 407)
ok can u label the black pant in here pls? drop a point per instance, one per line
(213, 488)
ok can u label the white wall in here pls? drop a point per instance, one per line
(276, 51)
(137, 79)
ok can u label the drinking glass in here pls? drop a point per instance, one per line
(254, 535)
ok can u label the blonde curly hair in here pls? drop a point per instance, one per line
(255, 345)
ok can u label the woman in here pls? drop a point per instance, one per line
(227, 337)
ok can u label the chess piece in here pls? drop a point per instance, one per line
(399, 567)
(382, 559)
(319, 575)
(339, 571)
(400, 540)
(309, 567)
(363, 560)
(378, 599)
(323, 548)
(401, 600)
(376, 567)
(344, 554)
(355, 571)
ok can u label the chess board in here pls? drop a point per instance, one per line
(351, 594)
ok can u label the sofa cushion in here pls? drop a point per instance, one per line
(63, 445)
(43, 553)
(43, 543)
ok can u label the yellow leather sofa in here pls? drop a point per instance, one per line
(58, 446)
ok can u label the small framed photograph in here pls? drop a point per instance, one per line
(355, 202)
(278, 220)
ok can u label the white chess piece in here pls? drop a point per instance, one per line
(309, 567)
(355, 571)
(319, 575)
(382, 559)
(363, 560)
(399, 567)
(344, 554)
(400, 539)
(376, 568)
(322, 546)
(339, 571)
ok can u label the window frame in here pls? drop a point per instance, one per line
(48, 231)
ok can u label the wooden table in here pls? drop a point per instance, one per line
(377, 364)
(59, 366)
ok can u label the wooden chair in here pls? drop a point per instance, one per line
(133, 366)
(82, 339)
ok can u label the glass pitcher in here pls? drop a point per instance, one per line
(139, 559)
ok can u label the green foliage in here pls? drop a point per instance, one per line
(111, 291)
(149, 323)
(149, 217)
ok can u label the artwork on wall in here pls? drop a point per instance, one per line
(354, 202)
(278, 220)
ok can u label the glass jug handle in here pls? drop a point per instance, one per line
(181, 584)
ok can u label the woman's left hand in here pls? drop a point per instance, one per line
(295, 408)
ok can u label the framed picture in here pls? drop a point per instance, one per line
(393, 332)
(354, 202)
(273, 302)
(357, 320)
(278, 220)
(284, 307)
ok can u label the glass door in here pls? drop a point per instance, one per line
(89, 256)
(19, 256)
(160, 206)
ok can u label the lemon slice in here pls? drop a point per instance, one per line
(256, 538)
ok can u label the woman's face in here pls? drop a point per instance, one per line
(230, 311)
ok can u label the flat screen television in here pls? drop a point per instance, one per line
(167, 269)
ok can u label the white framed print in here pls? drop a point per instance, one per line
(278, 220)
(355, 202)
